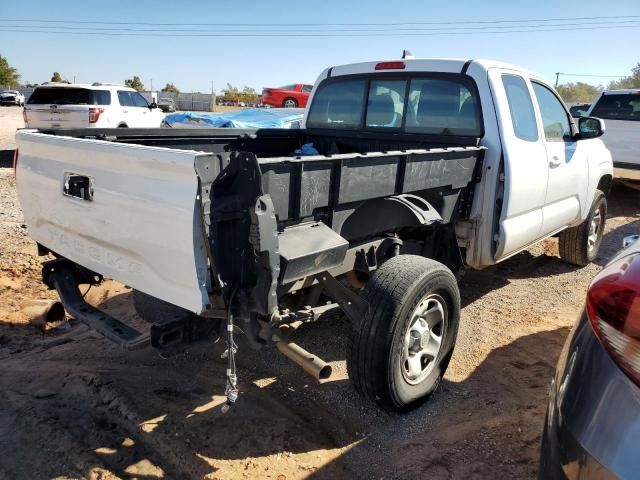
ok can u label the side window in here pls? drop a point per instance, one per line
(521, 108)
(124, 98)
(554, 116)
(386, 103)
(307, 88)
(139, 100)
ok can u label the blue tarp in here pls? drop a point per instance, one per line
(249, 118)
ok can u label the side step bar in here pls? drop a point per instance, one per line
(65, 276)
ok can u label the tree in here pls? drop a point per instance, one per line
(578, 92)
(8, 75)
(632, 81)
(170, 87)
(56, 77)
(135, 82)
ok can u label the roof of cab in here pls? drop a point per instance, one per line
(445, 65)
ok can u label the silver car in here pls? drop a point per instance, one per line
(592, 429)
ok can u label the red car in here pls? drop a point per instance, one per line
(289, 96)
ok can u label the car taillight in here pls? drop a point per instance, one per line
(15, 161)
(94, 114)
(390, 66)
(613, 308)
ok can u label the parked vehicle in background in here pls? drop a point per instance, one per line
(99, 105)
(621, 110)
(11, 97)
(405, 173)
(579, 109)
(289, 96)
(166, 104)
(593, 418)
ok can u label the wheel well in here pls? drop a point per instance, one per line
(123, 125)
(604, 185)
(289, 98)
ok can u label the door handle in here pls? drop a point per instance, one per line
(555, 162)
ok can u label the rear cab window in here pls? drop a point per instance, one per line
(618, 106)
(437, 104)
(523, 117)
(69, 96)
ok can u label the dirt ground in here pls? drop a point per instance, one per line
(74, 406)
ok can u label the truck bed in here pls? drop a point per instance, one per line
(153, 193)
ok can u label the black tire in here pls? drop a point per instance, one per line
(375, 359)
(576, 244)
(293, 103)
(152, 309)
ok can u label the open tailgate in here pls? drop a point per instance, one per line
(128, 212)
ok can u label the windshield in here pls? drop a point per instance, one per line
(618, 106)
(425, 105)
(9, 92)
(287, 87)
(69, 96)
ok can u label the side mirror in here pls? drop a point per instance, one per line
(590, 127)
(153, 105)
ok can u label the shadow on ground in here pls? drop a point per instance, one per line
(6, 158)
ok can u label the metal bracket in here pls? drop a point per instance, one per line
(353, 305)
(63, 275)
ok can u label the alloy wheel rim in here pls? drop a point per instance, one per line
(595, 229)
(423, 339)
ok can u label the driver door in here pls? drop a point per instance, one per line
(568, 169)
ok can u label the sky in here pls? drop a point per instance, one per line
(438, 29)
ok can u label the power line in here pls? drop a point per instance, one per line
(369, 33)
(460, 22)
(342, 30)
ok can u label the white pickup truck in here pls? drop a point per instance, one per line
(621, 109)
(415, 170)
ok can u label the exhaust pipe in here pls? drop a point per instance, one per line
(41, 312)
(314, 366)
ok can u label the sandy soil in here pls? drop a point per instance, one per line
(74, 406)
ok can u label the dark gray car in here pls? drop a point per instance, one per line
(592, 429)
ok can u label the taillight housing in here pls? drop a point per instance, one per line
(613, 308)
(94, 114)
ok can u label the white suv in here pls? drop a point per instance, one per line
(62, 105)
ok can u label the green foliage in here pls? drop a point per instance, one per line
(135, 83)
(632, 81)
(8, 75)
(233, 94)
(170, 87)
(579, 92)
(56, 77)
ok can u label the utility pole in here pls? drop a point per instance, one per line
(557, 76)
(152, 84)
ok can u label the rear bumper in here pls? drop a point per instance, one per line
(273, 101)
(593, 419)
(628, 171)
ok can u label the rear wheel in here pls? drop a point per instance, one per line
(402, 347)
(579, 245)
(290, 103)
